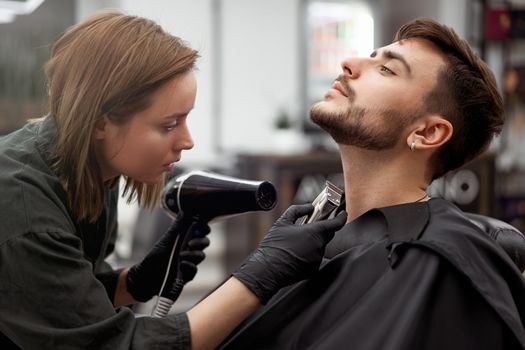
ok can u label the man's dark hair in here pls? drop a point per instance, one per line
(466, 94)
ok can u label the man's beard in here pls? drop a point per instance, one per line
(349, 126)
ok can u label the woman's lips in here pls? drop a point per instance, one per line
(170, 165)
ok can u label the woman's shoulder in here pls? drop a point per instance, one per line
(32, 196)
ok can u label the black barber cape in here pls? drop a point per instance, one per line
(411, 276)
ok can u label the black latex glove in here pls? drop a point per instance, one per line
(192, 256)
(145, 279)
(288, 253)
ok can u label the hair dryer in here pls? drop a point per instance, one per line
(208, 195)
(197, 198)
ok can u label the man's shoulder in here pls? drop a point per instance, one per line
(450, 228)
(478, 257)
(454, 236)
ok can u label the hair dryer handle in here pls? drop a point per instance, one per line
(188, 229)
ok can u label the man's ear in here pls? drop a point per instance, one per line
(100, 128)
(430, 132)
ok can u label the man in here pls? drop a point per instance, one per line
(407, 271)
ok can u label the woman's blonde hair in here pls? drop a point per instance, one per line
(107, 65)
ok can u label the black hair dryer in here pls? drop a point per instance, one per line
(199, 197)
(209, 195)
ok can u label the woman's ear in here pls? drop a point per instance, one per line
(100, 128)
(430, 132)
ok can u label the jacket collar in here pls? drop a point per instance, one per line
(393, 224)
(406, 222)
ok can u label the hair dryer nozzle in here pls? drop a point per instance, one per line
(210, 195)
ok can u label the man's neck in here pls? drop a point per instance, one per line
(374, 181)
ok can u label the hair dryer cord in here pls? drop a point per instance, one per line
(168, 294)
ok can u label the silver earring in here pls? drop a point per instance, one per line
(413, 146)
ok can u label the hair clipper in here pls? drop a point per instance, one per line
(324, 204)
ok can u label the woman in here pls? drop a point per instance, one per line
(120, 91)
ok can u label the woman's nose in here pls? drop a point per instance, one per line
(185, 141)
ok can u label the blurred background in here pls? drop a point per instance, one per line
(263, 64)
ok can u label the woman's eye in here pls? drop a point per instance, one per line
(170, 127)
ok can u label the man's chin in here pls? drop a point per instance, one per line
(322, 114)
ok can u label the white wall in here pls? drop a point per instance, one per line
(261, 69)
(86, 7)
(393, 14)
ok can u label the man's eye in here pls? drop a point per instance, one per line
(387, 70)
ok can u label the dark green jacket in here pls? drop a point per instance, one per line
(54, 282)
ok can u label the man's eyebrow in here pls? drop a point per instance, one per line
(394, 56)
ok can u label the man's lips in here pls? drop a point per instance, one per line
(337, 86)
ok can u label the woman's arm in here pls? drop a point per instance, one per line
(217, 316)
(227, 306)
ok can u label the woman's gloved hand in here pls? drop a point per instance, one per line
(145, 279)
(192, 256)
(288, 253)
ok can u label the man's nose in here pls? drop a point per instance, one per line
(352, 67)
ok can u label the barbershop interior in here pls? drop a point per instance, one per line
(262, 65)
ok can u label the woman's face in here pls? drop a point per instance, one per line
(146, 146)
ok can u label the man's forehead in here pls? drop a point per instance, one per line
(416, 51)
(418, 45)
